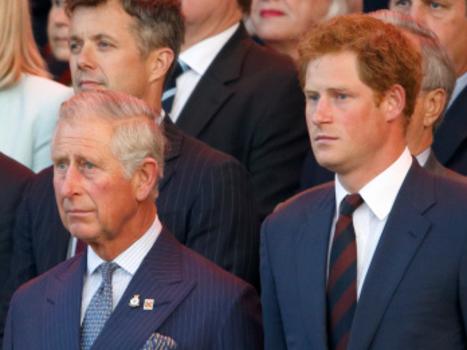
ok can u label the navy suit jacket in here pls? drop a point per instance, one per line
(249, 104)
(13, 178)
(450, 143)
(197, 304)
(415, 292)
(205, 199)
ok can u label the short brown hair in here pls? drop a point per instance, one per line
(159, 23)
(385, 56)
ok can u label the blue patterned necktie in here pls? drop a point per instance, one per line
(170, 87)
(99, 309)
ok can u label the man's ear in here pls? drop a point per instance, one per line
(393, 102)
(433, 105)
(145, 179)
(159, 61)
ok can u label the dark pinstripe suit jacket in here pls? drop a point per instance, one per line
(13, 178)
(197, 304)
(205, 199)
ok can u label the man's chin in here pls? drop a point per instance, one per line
(85, 234)
(86, 87)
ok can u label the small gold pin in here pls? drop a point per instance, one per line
(134, 301)
(148, 304)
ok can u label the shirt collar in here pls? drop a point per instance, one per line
(380, 193)
(461, 83)
(200, 56)
(422, 157)
(130, 259)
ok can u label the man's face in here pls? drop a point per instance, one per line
(447, 18)
(207, 16)
(95, 200)
(58, 31)
(286, 19)
(346, 128)
(104, 51)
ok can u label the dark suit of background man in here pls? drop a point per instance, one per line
(241, 98)
(13, 178)
(449, 22)
(108, 158)
(392, 275)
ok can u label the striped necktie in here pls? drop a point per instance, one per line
(170, 87)
(342, 279)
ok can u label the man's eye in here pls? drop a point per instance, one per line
(60, 166)
(341, 96)
(435, 5)
(401, 3)
(74, 47)
(312, 97)
(89, 165)
(103, 45)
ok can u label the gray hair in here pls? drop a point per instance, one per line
(438, 69)
(136, 134)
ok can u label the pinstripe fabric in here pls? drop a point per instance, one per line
(196, 304)
(205, 199)
(209, 205)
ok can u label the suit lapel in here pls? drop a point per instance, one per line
(453, 130)
(312, 247)
(403, 234)
(173, 148)
(63, 307)
(159, 278)
(213, 89)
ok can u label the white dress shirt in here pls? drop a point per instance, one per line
(128, 263)
(198, 57)
(370, 218)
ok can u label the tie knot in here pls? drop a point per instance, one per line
(178, 69)
(107, 269)
(350, 203)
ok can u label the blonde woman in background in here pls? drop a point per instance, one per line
(29, 101)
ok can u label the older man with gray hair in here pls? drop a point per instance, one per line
(136, 287)
(438, 82)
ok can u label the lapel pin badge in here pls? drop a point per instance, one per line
(134, 301)
(148, 304)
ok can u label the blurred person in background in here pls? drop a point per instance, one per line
(29, 101)
(448, 20)
(57, 51)
(13, 178)
(281, 23)
(438, 82)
